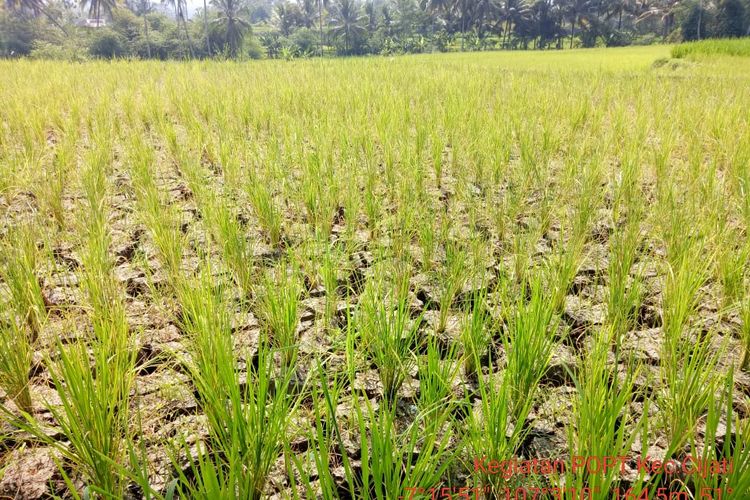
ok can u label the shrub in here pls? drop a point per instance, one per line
(107, 44)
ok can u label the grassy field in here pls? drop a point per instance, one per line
(376, 278)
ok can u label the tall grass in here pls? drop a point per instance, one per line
(738, 47)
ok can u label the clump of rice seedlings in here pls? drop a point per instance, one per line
(395, 460)
(247, 413)
(745, 331)
(497, 427)
(330, 265)
(437, 159)
(522, 245)
(352, 203)
(437, 374)
(475, 335)
(562, 269)
(731, 261)
(20, 257)
(160, 219)
(373, 204)
(452, 277)
(54, 180)
(687, 364)
(94, 416)
(278, 302)
(329, 449)
(319, 195)
(567, 259)
(395, 455)
(717, 445)
(15, 363)
(602, 424)
(528, 341)
(237, 251)
(495, 431)
(265, 208)
(624, 292)
(387, 331)
(221, 223)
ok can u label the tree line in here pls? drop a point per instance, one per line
(307, 28)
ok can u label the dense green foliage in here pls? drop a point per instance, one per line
(303, 28)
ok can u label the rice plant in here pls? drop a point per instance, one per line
(15, 363)
(246, 412)
(528, 340)
(603, 424)
(278, 304)
(387, 332)
(20, 261)
(475, 335)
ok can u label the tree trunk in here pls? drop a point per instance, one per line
(187, 36)
(573, 29)
(619, 20)
(700, 18)
(148, 39)
(205, 24)
(320, 24)
(463, 29)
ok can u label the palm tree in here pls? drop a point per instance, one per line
(96, 6)
(665, 10)
(307, 8)
(205, 27)
(180, 9)
(372, 16)
(36, 7)
(321, 4)
(464, 7)
(285, 18)
(235, 26)
(620, 7)
(577, 11)
(513, 13)
(143, 8)
(484, 10)
(346, 21)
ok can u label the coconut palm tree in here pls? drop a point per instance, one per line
(143, 8)
(36, 7)
(321, 4)
(577, 11)
(235, 26)
(665, 10)
(180, 10)
(97, 6)
(512, 13)
(205, 27)
(308, 10)
(346, 21)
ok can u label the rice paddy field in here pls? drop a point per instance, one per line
(489, 275)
